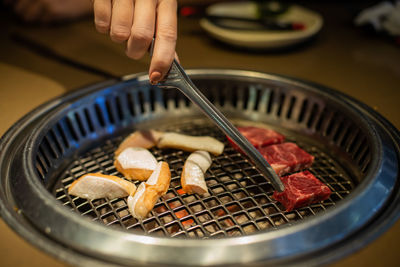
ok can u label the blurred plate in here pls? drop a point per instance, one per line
(262, 38)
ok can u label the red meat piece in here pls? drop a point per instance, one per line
(287, 157)
(259, 137)
(301, 189)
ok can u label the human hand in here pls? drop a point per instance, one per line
(137, 22)
(50, 10)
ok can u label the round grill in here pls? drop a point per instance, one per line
(237, 222)
(239, 200)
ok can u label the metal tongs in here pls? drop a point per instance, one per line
(177, 78)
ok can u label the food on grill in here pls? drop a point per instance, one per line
(287, 157)
(135, 163)
(147, 194)
(192, 178)
(191, 143)
(160, 178)
(143, 138)
(142, 202)
(259, 137)
(301, 189)
(95, 185)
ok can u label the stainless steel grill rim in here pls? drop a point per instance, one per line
(254, 243)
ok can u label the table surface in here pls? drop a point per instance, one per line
(39, 63)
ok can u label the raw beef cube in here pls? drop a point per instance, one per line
(301, 189)
(259, 137)
(287, 157)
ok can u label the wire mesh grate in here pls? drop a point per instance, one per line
(239, 200)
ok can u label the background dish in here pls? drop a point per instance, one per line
(263, 38)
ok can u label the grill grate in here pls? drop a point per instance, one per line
(239, 201)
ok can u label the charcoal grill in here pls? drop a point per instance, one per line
(237, 222)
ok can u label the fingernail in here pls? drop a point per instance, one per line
(155, 77)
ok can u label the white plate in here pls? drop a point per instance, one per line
(311, 20)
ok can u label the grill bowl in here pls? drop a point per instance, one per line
(237, 223)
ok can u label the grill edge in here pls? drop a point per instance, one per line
(50, 148)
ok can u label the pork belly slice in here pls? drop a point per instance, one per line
(301, 189)
(259, 137)
(135, 163)
(192, 178)
(286, 158)
(96, 185)
(191, 143)
(147, 194)
(143, 138)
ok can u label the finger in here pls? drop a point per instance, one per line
(166, 34)
(121, 20)
(142, 31)
(102, 15)
(156, 76)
